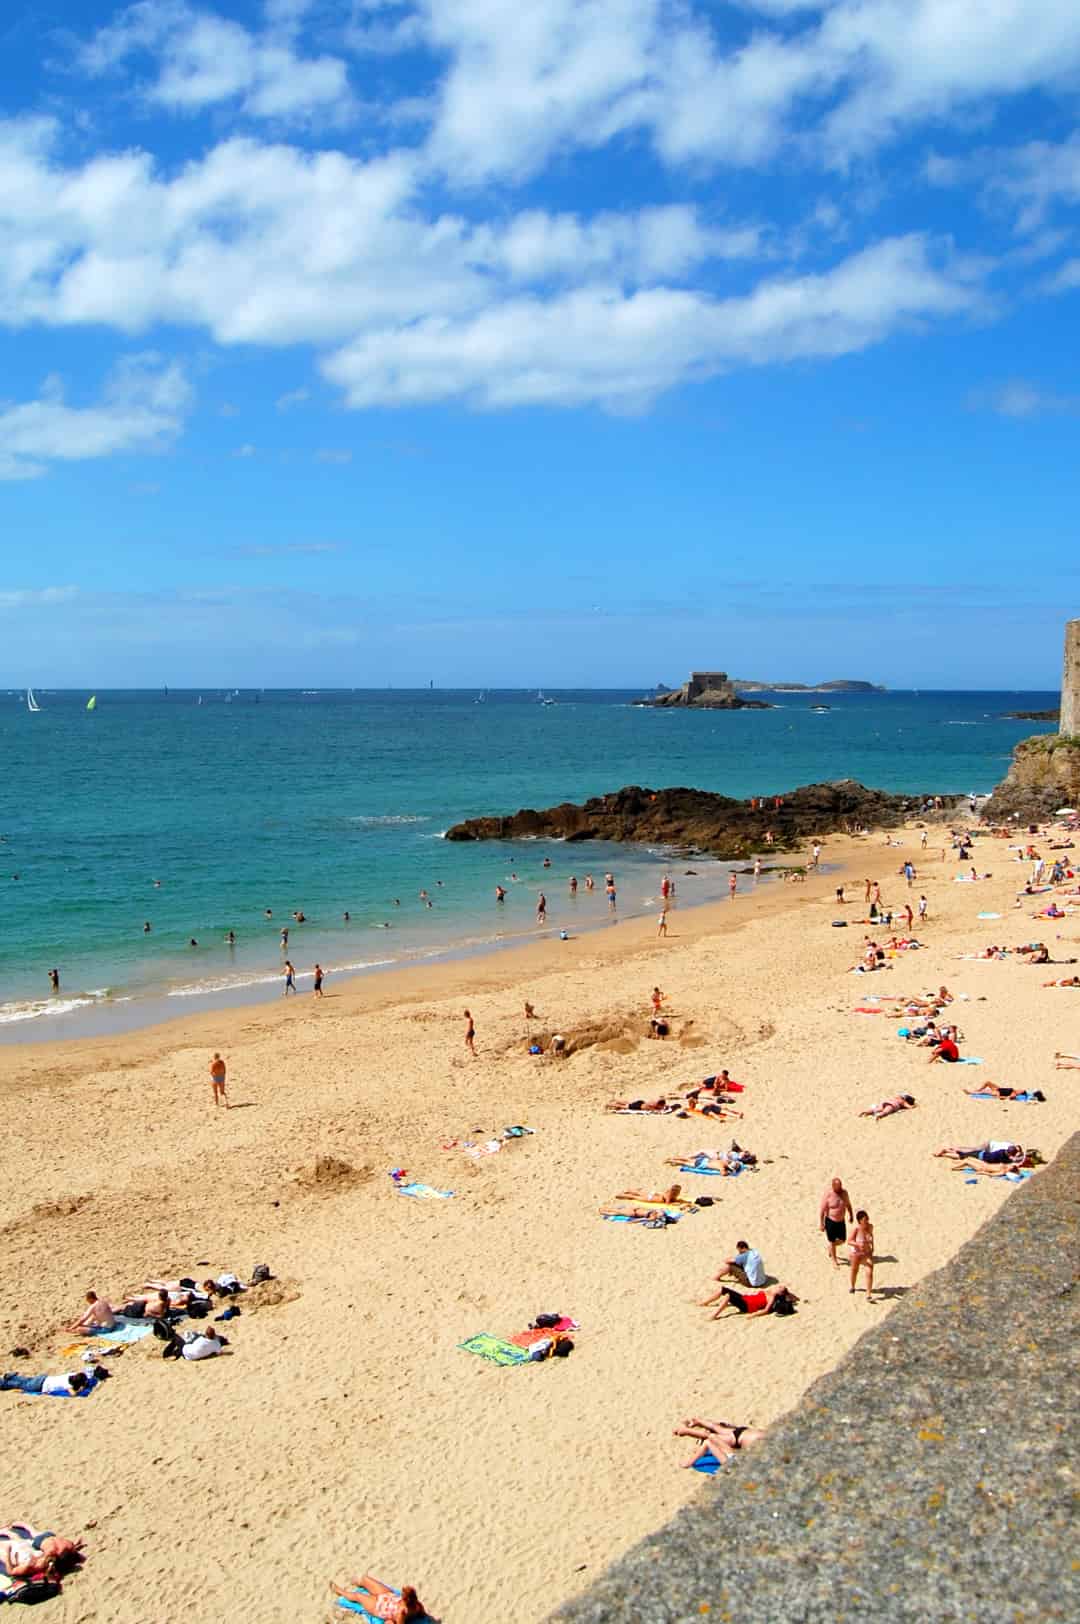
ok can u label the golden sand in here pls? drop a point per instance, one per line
(345, 1431)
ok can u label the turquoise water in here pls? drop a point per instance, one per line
(334, 801)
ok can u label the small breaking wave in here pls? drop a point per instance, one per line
(32, 1009)
(388, 820)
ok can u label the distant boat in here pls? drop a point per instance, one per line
(821, 710)
(199, 700)
(541, 698)
(91, 703)
(31, 702)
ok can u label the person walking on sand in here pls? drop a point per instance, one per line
(732, 884)
(661, 923)
(470, 1032)
(317, 988)
(290, 979)
(217, 1081)
(835, 1209)
(861, 1249)
(869, 887)
(922, 909)
(541, 909)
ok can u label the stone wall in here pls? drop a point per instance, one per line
(932, 1476)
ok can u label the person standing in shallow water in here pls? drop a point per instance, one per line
(290, 979)
(317, 988)
(54, 980)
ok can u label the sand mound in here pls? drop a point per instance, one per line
(328, 1175)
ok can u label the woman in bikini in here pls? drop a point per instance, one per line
(861, 1251)
(717, 1438)
(772, 1300)
(899, 1102)
(381, 1601)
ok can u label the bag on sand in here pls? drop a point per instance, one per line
(259, 1273)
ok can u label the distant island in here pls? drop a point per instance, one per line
(1033, 716)
(844, 686)
(715, 690)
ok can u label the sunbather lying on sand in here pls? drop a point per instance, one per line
(1064, 981)
(671, 1197)
(382, 1602)
(707, 1105)
(899, 1102)
(1005, 1093)
(25, 1554)
(1066, 1062)
(771, 1300)
(719, 1438)
(641, 1105)
(718, 1161)
(995, 1153)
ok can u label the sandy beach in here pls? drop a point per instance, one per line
(346, 1432)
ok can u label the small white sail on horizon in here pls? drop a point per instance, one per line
(31, 702)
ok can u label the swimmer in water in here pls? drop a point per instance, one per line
(268, 913)
(146, 927)
(345, 916)
(193, 942)
(500, 894)
(231, 939)
(54, 980)
(589, 882)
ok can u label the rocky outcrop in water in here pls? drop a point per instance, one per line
(696, 820)
(706, 690)
(1033, 716)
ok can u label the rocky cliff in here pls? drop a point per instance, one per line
(695, 820)
(1044, 775)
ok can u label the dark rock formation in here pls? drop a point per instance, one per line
(695, 820)
(1033, 716)
(1044, 775)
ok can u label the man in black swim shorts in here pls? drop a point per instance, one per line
(835, 1208)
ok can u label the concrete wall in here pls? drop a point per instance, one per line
(930, 1477)
(1070, 680)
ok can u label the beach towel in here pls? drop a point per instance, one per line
(131, 1331)
(1015, 1099)
(708, 1464)
(989, 916)
(969, 1060)
(1019, 1175)
(861, 1010)
(423, 1192)
(358, 1607)
(27, 1590)
(626, 1111)
(710, 1172)
(494, 1349)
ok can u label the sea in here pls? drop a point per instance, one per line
(203, 813)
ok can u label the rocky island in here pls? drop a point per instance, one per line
(695, 820)
(705, 690)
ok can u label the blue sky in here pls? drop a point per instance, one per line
(573, 342)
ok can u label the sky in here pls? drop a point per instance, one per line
(572, 342)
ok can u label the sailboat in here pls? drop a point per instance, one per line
(91, 703)
(31, 702)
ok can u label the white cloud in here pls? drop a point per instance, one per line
(204, 59)
(602, 346)
(1020, 398)
(37, 597)
(141, 409)
(294, 397)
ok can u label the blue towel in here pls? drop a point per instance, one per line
(423, 1192)
(713, 1172)
(969, 1060)
(708, 1464)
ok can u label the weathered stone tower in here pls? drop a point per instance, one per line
(1070, 681)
